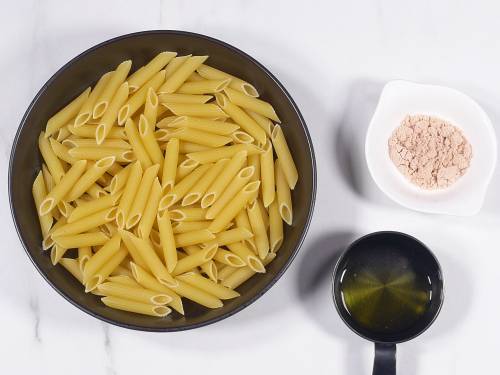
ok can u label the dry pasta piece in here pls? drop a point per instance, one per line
(208, 286)
(241, 118)
(206, 125)
(61, 151)
(267, 174)
(52, 162)
(195, 259)
(219, 185)
(198, 136)
(39, 193)
(275, 227)
(170, 165)
(200, 187)
(81, 240)
(137, 145)
(136, 307)
(86, 223)
(97, 260)
(258, 228)
(230, 236)
(149, 215)
(227, 257)
(167, 240)
(285, 156)
(256, 105)
(197, 295)
(146, 133)
(193, 238)
(85, 112)
(89, 130)
(116, 79)
(235, 205)
(283, 194)
(248, 256)
(204, 86)
(212, 155)
(241, 179)
(145, 73)
(141, 196)
(62, 117)
(121, 155)
(102, 274)
(196, 109)
(109, 117)
(179, 76)
(166, 99)
(89, 177)
(84, 254)
(208, 72)
(241, 275)
(133, 293)
(127, 198)
(189, 226)
(87, 208)
(62, 188)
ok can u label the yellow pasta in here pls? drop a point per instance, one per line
(283, 195)
(221, 182)
(62, 117)
(235, 185)
(89, 177)
(179, 76)
(202, 124)
(228, 213)
(109, 117)
(267, 174)
(208, 286)
(166, 99)
(256, 105)
(85, 112)
(81, 240)
(39, 193)
(200, 187)
(62, 188)
(214, 154)
(146, 133)
(138, 99)
(170, 164)
(129, 192)
(136, 307)
(201, 218)
(149, 214)
(204, 86)
(241, 118)
(52, 162)
(116, 79)
(195, 109)
(167, 240)
(137, 145)
(208, 72)
(142, 75)
(284, 156)
(141, 196)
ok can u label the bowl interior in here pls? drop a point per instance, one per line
(400, 98)
(83, 71)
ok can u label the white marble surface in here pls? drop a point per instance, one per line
(333, 56)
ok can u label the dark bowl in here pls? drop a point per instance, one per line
(85, 69)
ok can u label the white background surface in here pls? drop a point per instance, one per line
(333, 56)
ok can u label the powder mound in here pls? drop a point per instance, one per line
(430, 152)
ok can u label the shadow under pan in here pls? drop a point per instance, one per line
(84, 71)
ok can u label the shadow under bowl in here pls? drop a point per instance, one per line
(83, 71)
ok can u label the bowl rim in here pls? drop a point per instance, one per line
(278, 274)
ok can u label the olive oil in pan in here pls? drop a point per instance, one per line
(383, 292)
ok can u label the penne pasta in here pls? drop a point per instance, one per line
(166, 99)
(200, 187)
(145, 73)
(197, 295)
(52, 162)
(85, 224)
(63, 117)
(81, 240)
(88, 178)
(137, 145)
(284, 156)
(147, 136)
(194, 260)
(151, 107)
(96, 261)
(85, 112)
(193, 238)
(117, 77)
(195, 109)
(253, 104)
(241, 118)
(71, 265)
(61, 151)
(198, 136)
(248, 256)
(204, 86)
(275, 227)
(221, 182)
(84, 254)
(241, 275)
(230, 236)
(189, 226)
(110, 116)
(208, 72)
(265, 123)
(228, 213)
(170, 164)
(188, 214)
(208, 286)
(283, 195)
(258, 228)
(267, 174)
(141, 196)
(227, 257)
(205, 125)
(133, 293)
(136, 307)
(129, 193)
(119, 180)
(121, 155)
(167, 240)
(179, 76)
(39, 193)
(90, 207)
(88, 131)
(212, 155)
(175, 64)
(149, 215)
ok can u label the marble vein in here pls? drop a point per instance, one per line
(35, 310)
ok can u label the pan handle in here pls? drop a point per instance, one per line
(385, 359)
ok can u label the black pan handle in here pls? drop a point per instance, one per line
(385, 359)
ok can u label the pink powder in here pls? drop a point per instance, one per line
(429, 151)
